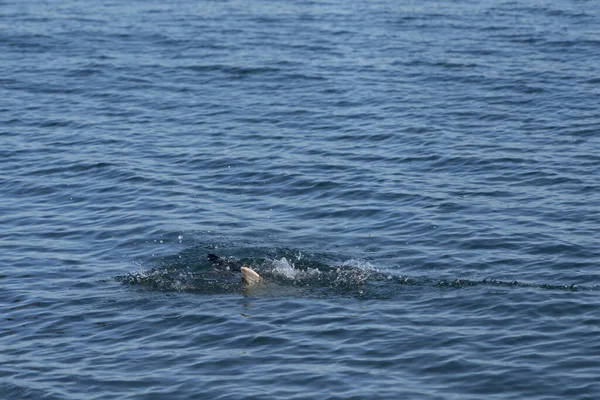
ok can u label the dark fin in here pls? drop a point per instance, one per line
(249, 276)
(213, 257)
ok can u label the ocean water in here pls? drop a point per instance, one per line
(418, 182)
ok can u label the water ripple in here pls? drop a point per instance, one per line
(417, 184)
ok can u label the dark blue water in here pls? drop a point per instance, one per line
(417, 182)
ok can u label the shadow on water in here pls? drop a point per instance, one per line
(293, 273)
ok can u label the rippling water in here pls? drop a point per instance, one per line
(417, 182)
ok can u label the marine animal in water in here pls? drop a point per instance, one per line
(249, 276)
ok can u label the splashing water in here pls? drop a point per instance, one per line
(349, 272)
(284, 268)
(354, 272)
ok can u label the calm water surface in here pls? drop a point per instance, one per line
(417, 181)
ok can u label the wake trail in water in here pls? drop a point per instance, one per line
(221, 275)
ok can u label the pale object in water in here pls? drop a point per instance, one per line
(249, 276)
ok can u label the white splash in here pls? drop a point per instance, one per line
(285, 268)
(354, 271)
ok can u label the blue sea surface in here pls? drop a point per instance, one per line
(418, 183)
